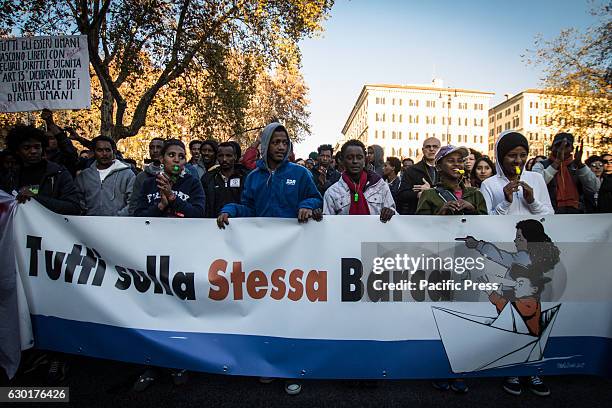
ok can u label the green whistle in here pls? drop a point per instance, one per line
(356, 197)
(175, 168)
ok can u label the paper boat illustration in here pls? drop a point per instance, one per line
(474, 343)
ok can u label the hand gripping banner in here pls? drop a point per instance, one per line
(348, 297)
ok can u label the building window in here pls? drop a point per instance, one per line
(393, 134)
(400, 116)
(480, 139)
(383, 134)
(393, 101)
(481, 122)
(536, 105)
(376, 134)
(475, 122)
(475, 140)
(536, 119)
(433, 120)
(417, 135)
(416, 119)
(531, 120)
(400, 104)
(530, 105)
(443, 120)
(400, 138)
(393, 117)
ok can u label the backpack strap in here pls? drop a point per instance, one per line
(445, 195)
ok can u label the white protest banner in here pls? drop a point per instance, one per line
(44, 72)
(348, 297)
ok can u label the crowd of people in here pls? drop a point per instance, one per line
(266, 180)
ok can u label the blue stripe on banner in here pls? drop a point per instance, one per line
(290, 358)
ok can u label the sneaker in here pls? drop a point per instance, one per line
(537, 386)
(459, 386)
(36, 360)
(180, 377)
(57, 371)
(512, 385)
(145, 380)
(441, 385)
(293, 387)
(266, 380)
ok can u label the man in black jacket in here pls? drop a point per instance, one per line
(59, 149)
(323, 173)
(566, 176)
(418, 178)
(47, 182)
(223, 184)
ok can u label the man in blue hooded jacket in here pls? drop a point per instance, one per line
(276, 188)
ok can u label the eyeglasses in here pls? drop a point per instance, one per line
(607, 161)
(597, 165)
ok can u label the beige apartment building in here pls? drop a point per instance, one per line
(529, 113)
(400, 117)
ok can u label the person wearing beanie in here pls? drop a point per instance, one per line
(566, 176)
(514, 190)
(450, 196)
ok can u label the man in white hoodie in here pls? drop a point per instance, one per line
(514, 190)
(106, 185)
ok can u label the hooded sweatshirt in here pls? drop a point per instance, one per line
(109, 197)
(379, 162)
(151, 170)
(278, 193)
(190, 200)
(493, 191)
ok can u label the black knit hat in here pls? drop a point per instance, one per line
(508, 142)
(560, 137)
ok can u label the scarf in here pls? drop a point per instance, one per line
(359, 205)
(567, 193)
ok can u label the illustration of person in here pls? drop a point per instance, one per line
(537, 252)
(534, 248)
(527, 287)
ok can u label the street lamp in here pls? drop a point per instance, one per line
(448, 104)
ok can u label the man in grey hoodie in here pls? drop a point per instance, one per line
(152, 169)
(106, 185)
(376, 159)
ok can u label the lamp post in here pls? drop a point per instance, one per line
(448, 117)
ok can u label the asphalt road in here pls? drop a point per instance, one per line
(101, 383)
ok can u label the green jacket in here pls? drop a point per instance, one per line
(430, 202)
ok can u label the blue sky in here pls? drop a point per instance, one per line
(470, 44)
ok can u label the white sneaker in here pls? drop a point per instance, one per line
(293, 387)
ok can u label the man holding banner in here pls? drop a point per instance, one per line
(279, 189)
(45, 181)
